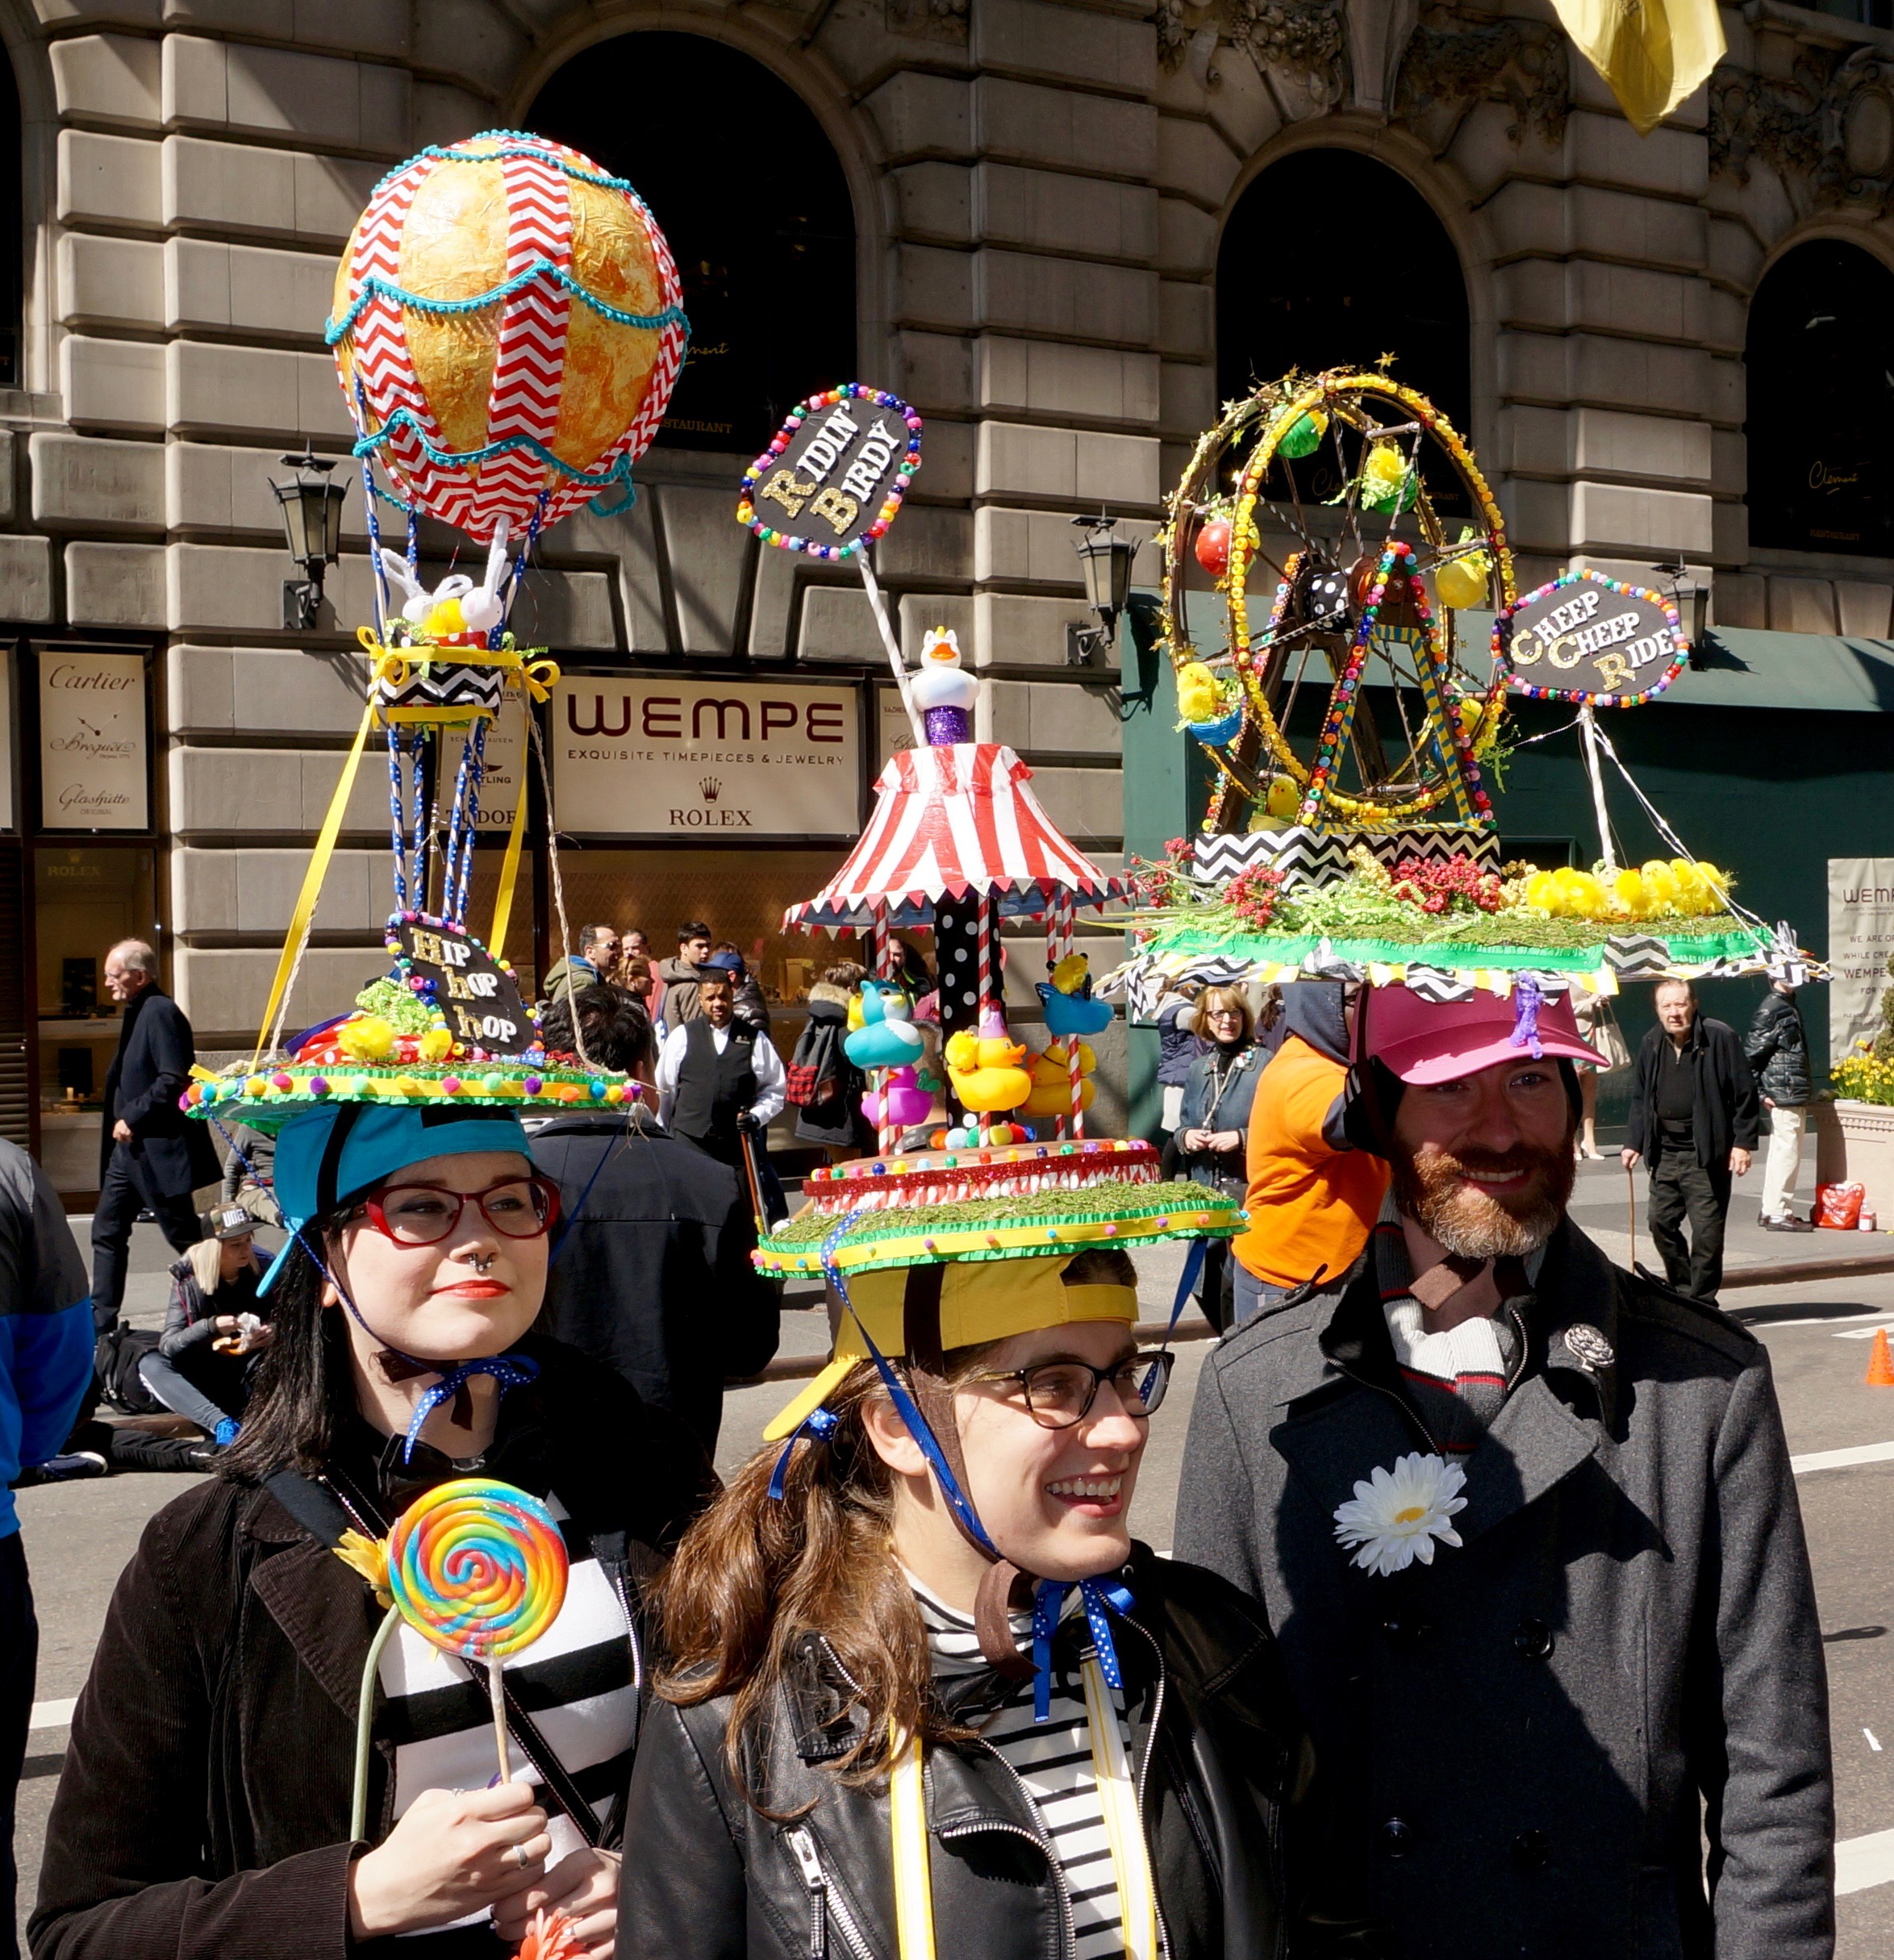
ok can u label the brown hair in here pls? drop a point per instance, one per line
(754, 1576)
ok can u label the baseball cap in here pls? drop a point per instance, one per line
(1422, 1041)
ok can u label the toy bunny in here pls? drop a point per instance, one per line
(457, 612)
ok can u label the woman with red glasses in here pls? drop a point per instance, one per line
(204, 1808)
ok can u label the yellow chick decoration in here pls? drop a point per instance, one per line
(1654, 889)
(1284, 799)
(436, 1044)
(1197, 696)
(1052, 1081)
(371, 1039)
(984, 1071)
(1567, 894)
(1466, 580)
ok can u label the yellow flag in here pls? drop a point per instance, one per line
(1651, 52)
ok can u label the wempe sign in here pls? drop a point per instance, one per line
(705, 760)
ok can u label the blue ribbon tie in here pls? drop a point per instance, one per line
(1049, 1602)
(817, 1426)
(509, 1370)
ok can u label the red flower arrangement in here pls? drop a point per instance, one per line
(1457, 885)
(1252, 895)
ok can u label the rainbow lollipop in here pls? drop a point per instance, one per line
(477, 1568)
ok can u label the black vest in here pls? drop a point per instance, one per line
(713, 1090)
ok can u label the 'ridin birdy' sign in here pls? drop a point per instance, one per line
(834, 476)
(1590, 639)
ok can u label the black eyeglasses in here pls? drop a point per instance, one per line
(425, 1214)
(1060, 1394)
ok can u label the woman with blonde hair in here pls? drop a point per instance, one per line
(1213, 1124)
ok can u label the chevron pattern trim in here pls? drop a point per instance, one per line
(1308, 856)
(438, 688)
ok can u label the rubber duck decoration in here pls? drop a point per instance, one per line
(887, 1037)
(943, 690)
(1052, 1080)
(1070, 1008)
(983, 1069)
(900, 1103)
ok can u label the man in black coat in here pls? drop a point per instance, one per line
(651, 1271)
(1527, 1532)
(150, 1156)
(1694, 1119)
(1777, 1051)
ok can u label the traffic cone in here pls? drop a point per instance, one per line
(1880, 1361)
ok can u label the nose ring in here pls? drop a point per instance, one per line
(480, 1261)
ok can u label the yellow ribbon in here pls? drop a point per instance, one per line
(907, 1821)
(312, 878)
(1118, 1789)
(502, 902)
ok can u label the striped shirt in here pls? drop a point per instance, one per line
(575, 1682)
(1052, 1759)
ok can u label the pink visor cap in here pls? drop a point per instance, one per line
(1424, 1041)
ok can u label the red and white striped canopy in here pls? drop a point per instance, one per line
(948, 821)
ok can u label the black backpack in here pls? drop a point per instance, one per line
(115, 1356)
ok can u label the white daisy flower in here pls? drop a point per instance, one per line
(1396, 1515)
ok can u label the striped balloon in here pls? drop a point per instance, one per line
(477, 1568)
(507, 330)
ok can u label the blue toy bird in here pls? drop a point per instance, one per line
(887, 1037)
(1070, 1006)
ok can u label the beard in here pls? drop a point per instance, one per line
(1476, 1224)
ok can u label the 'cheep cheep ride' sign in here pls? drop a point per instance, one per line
(1592, 639)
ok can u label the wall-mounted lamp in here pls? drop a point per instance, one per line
(1691, 598)
(312, 524)
(1106, 560)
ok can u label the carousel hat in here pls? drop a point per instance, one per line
(1424, 1041)
(977, 1302)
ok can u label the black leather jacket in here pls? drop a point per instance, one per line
(1219, 1751)
(1777, 1051)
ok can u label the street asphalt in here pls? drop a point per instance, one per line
(1819, 1335)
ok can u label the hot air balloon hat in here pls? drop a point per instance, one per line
(921, 1272)
(506, 333)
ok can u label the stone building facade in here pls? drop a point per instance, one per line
(1038, 190)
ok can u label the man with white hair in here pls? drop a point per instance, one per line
(1526, 1529)
(150, 1157)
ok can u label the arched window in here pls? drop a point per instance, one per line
(751, 195)
(1819, 372)
(1331, 257)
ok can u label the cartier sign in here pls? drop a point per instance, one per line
(92, 741)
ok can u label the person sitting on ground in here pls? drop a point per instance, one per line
(649, 1230)
(203, 1365)
(681, 977)
(248, 1171)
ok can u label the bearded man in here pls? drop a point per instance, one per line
(1525, 1526)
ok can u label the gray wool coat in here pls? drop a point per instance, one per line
(1525, 1745)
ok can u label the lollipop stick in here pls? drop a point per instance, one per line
(365, 1727)
(499, 1717)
